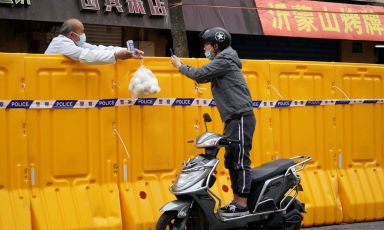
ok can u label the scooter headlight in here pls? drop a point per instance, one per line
(188, 178)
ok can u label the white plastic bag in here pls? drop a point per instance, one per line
(143, 83)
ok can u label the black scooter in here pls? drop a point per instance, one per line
(272, 203)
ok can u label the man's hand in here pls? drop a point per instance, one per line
(138, 54)
(175, 61)
(123, 54)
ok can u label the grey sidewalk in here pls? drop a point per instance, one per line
(376, 225)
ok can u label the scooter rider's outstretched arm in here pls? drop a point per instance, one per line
(207, 72)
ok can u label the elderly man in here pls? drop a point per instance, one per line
(72, 43)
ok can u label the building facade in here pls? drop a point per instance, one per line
(347, 31)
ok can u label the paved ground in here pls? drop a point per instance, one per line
(377, 225)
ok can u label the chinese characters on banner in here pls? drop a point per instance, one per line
(90, 5)
(299, 18)
(14, 2)
(157, 7)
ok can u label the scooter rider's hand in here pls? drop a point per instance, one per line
(175, 61)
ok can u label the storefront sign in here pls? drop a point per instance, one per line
(14, 2)
(153, 13)
(298, 18)
(157, 7)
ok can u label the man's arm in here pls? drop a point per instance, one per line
(120, 52)
(207, 72)
(68, 48)
(101, 47)
(97, 56)
(88, 53)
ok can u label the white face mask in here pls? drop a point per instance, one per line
(208, 54)
(82, 40)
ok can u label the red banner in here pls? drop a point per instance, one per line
(299, 18)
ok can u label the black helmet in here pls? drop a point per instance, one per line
(217, 35)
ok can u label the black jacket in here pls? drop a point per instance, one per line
(229, 89)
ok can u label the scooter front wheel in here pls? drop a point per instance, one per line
(169, 221)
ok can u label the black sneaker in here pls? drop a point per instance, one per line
(234, 210)
(223, 209)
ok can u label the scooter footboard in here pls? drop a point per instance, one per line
(180, 206)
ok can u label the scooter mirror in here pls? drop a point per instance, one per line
(207, 118)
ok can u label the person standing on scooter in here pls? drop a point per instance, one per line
(234, 102)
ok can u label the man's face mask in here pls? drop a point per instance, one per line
(208, 54)
(82, 40)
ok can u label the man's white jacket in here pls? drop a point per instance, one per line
(87, 53)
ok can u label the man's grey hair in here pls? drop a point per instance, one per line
(66, 28)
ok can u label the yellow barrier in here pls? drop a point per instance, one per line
(14, 195)
(72, 152)
(360, 143)
(83, 177)
(308, 131)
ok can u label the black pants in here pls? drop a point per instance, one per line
(237, 158)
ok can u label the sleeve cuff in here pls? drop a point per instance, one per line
(183, 68)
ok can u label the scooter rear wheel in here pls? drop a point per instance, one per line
(168, 220)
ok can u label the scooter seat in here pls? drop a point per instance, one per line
(270, 169)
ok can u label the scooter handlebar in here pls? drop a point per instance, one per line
(228, 141)
(233, 141)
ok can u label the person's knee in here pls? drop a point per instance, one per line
(233, 165)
